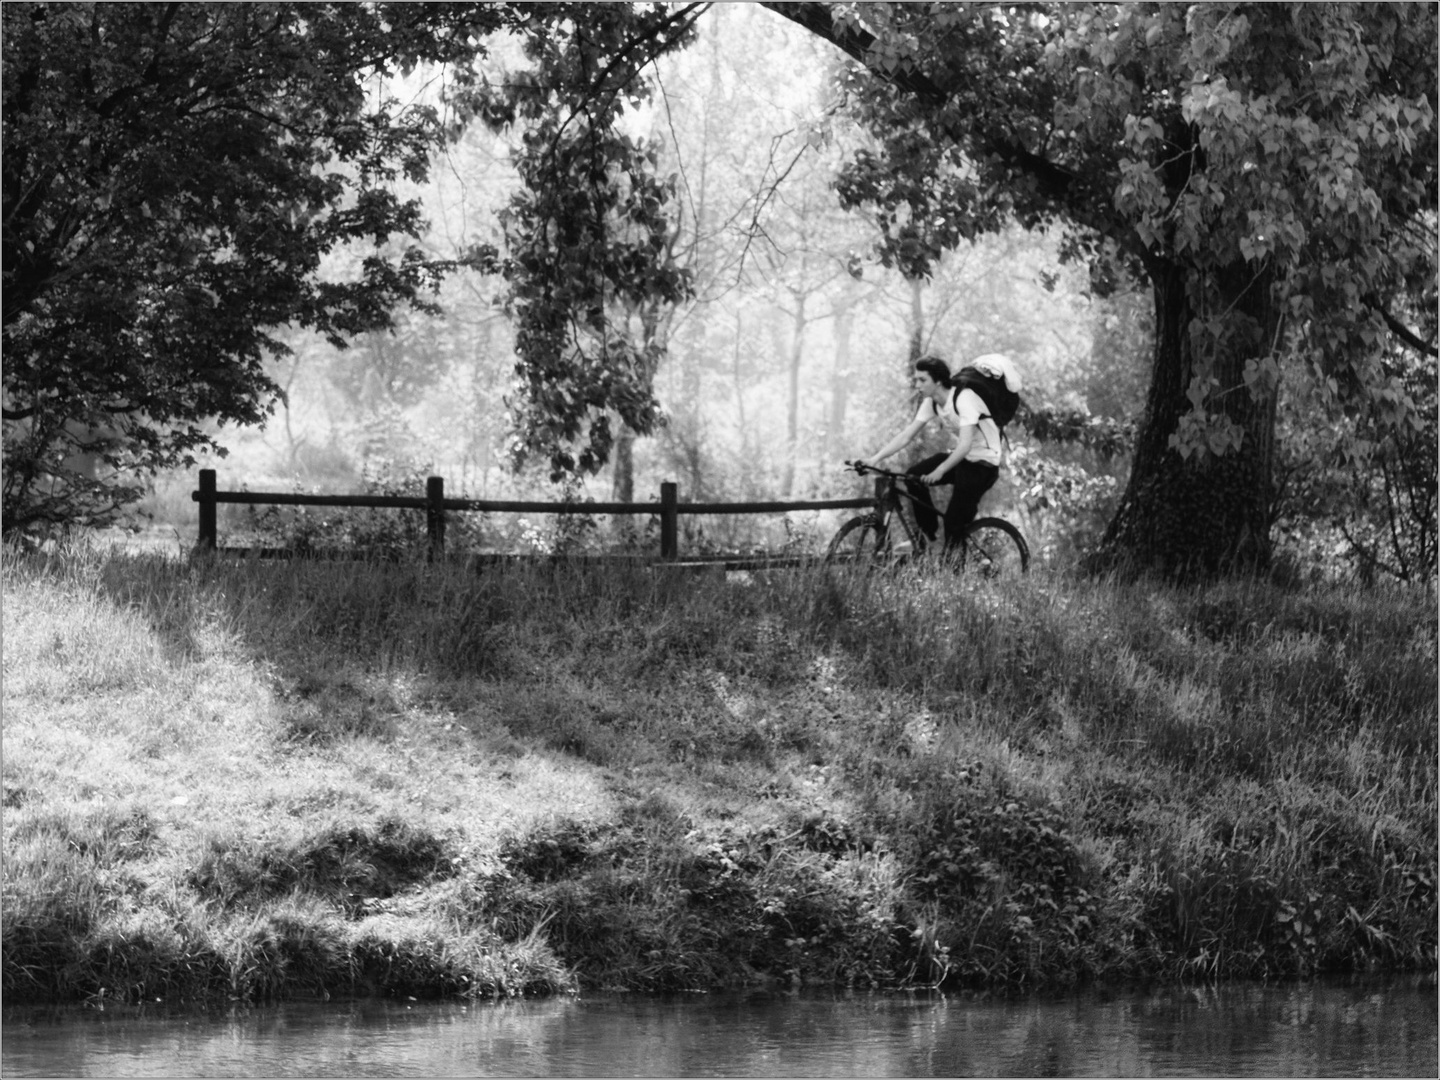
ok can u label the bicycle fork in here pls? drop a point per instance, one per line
(905, 543)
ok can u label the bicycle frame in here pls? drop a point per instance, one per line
(991, 543)
(888, 505)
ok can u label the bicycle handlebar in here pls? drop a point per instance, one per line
(862, 469)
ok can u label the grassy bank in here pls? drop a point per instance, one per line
(254, 781)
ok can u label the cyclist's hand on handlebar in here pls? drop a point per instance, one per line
(861, 465)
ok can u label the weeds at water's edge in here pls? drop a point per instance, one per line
(255, 780)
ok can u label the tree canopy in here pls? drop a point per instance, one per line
(1271, 169)
(174, 178)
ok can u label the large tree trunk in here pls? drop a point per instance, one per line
(1208, 513)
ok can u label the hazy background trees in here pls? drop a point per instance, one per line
(752, 269)
(791, 354)
(173, 176)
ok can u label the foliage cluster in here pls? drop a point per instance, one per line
(175, 179)
(1261, 169)
(1359, 491)
(284, 778)
(1066, 494)
(365, 532)
(588, 236)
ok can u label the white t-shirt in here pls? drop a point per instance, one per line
(959, 410)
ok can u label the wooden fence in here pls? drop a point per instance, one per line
(435, 504)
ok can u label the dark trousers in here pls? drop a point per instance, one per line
(971, 479)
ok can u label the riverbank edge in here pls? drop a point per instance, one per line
(927, 849)
(645, 904)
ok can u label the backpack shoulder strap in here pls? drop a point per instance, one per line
(985, 413)
(955, 401)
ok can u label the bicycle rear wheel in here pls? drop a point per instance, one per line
(860, 541)
(993, 548)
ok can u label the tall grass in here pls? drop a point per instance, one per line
(259, 779)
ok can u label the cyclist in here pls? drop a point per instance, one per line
(973, 465)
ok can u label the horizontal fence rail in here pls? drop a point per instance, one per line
(435, 504)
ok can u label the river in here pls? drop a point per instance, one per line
(1308, 1029)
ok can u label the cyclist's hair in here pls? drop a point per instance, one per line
(936, 368)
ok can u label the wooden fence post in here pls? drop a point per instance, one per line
(209, 534)
(669, 520)
(435, 515)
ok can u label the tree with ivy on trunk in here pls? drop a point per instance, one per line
(1270, 169)
(589, 257)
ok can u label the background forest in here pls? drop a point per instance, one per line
(793, 355)
(806, 295)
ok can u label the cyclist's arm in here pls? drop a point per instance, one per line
(904, 439)
(962, 447)
(898, 443)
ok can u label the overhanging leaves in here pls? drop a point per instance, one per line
(173, 177)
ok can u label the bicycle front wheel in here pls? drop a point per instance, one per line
(861, 540)
(994, 548)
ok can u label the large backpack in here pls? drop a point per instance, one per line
(1000, 401)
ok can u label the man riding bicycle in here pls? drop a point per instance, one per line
(973, 465)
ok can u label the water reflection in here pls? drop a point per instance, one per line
(1300, 1030)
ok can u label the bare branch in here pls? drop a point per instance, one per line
(1400, 330)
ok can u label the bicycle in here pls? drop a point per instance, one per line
(990, 546)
